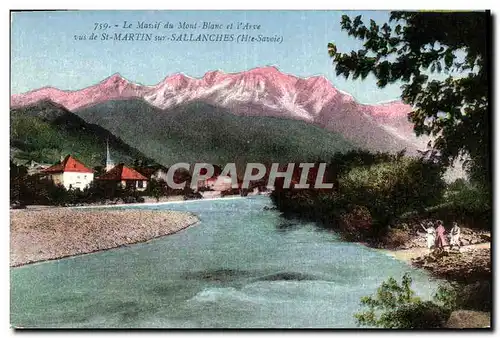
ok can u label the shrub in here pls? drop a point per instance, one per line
(389, 189)
(129, 199)
(421, 315)
(470, 199)
(156, 188)
(469, 205)
(355, 222)
(447, 296)
(395, 306)
(385, 185)
(396, 237)
(458, 185)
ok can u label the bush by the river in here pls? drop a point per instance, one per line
(370, 192)
(469, 204)
(395, 306)
(464, 202)
(390, 188)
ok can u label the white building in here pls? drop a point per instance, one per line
(70, 173)
(160, 174)
(219, 183)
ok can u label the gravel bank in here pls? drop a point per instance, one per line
(39, 235)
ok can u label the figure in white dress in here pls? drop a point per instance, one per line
(455, 236)
(430, 235)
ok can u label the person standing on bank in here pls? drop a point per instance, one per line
(440, 236)
(455, 236)
(430, 235)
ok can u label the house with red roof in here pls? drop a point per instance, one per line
(70, 173)
(124, 176)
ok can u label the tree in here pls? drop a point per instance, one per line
(453, 110)
(395, 306)
(17, 171)
(156, 188)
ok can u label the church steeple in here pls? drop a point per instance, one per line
(109, 162)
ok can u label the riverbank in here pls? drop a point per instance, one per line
(47, 234)
(148, 201)
(468, 270)
(467, 265)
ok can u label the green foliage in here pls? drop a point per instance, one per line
(156, 189)
(395, 306)
(27, 190)
(391, 188)
(384, 186)
(446, 296)
(355, 222)
(458, 185)
(470, 199)
(410, 47)
(200, 132)
(466, 203)
(45, 132)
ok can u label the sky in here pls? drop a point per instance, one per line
(44, 51)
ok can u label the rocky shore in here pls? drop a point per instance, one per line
(39, 235)
(468, 270)
(470, 264)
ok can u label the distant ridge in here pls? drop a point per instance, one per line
(45, 131)
(261, 91)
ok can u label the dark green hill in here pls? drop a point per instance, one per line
(200, 132)
(46, 131)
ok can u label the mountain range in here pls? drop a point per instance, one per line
(263, 92)
(257, 115)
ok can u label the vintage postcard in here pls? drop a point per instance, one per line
(250, 169)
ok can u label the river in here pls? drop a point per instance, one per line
(240, 267)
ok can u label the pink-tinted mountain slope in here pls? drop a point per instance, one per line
(261, 91)
(112, 88)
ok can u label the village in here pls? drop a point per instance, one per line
(117, 183)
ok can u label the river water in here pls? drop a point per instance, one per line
(240, 267)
